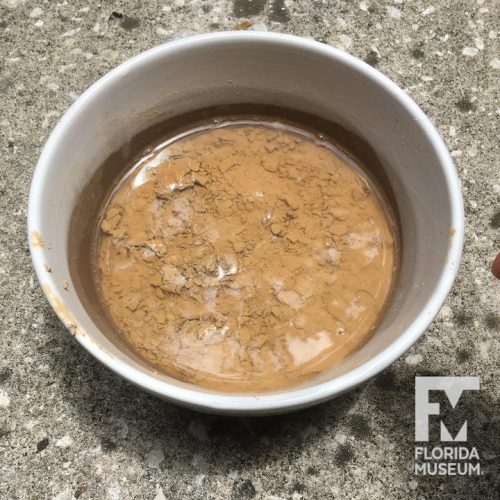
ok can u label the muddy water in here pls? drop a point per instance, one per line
(245, 255)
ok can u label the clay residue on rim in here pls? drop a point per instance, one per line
(37, 240)
(62, 311)
(451, 235)
(64, 314)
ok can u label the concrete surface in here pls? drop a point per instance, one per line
(71, 429)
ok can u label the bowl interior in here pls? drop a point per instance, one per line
(267, 69)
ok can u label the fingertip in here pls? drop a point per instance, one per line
(495, 267)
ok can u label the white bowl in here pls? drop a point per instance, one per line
(264, 68)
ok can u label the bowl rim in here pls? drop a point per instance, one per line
(287, 399)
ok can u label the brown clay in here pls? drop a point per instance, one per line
(245, 257)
